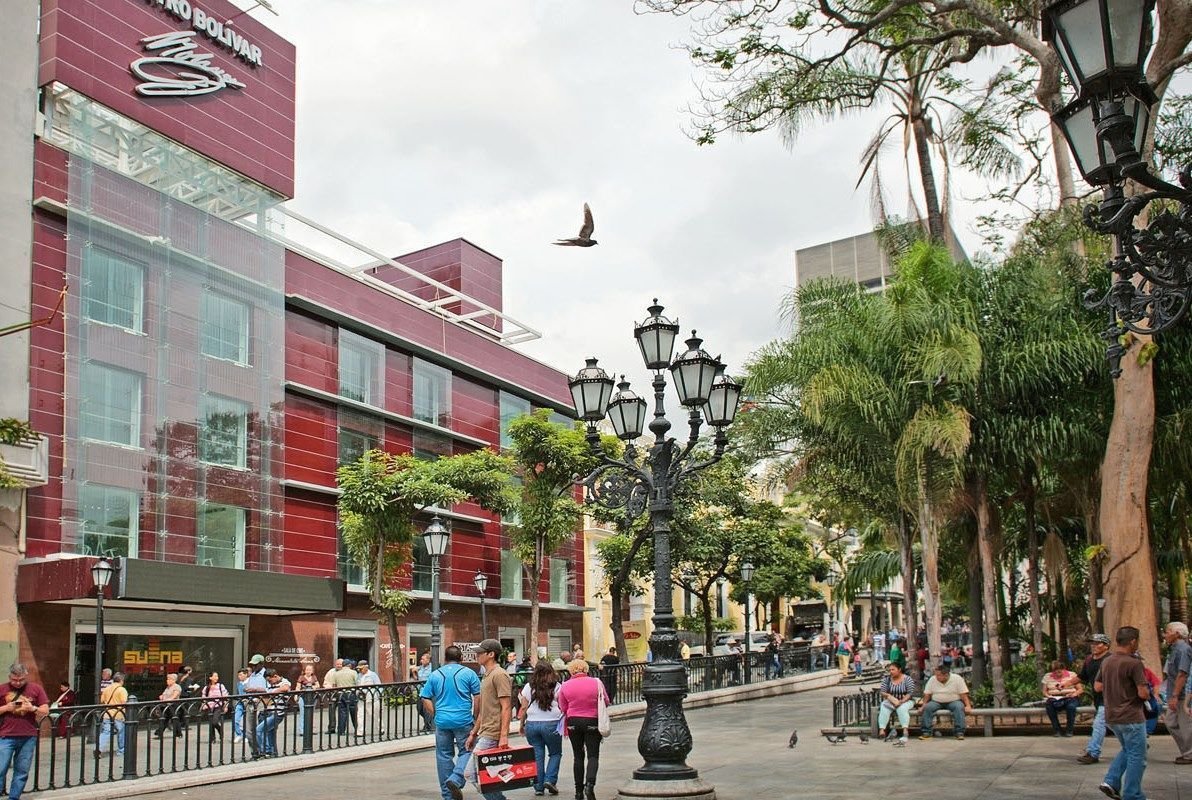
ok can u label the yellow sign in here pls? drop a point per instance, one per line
(636, 644)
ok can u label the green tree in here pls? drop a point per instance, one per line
(627, 563)
(546, 457)
(381, 497)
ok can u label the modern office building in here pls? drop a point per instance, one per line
(211, 367)
(861, 259)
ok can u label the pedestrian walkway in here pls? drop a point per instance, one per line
(742, 749)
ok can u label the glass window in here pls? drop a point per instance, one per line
(358, 433)
(113, 289)
(562, 419)
(512, 407)
(225, 328)
(109, 522)
(220, 536)
(511, 576)
(431, 446)
(560, 580)
(351, 572)
(432, 393)
(361, 369)
(420, 565)
(511, 517)
(223, 434)
(110, 407)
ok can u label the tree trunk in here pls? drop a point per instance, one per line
(931, 199)
(1032, 564)
(929, 539)
(910, 599)
(396, 662)
(617, 622)
(706, 609)
(1178, 594)
(976, 623)
(989, 590)
(535, 579)
(1047, 93)
(1129, 570)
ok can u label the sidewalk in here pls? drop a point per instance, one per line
(742, 749)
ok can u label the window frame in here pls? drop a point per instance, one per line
(89, 301)
(372, 372)
(132, 533)
(244, 331)
(204, 441)
(86, 399)
(434, 410)
(506, 402)
(559, 567)
(519, 583)
(240, 533)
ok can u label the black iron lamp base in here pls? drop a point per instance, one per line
(684, 789)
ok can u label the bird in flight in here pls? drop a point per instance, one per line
(585, 233)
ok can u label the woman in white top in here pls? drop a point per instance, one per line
(539, 716)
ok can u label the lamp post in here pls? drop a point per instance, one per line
(1102, 47)
(480, 581)
(710, 398)
(830, 579)
(436, 536)
(101, 575)
(747, 578)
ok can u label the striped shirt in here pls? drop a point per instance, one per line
(901, 690)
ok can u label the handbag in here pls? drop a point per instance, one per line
(603, 723)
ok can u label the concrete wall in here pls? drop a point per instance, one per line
(18, 110)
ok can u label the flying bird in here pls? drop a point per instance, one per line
(794, 739)
(585, 233)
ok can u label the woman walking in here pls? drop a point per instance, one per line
(897, 698)
(308, 681)
(539, 716)
(578, 698)
(214, 705)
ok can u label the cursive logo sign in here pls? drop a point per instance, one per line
(179, 70)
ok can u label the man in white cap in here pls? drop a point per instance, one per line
(255, 684)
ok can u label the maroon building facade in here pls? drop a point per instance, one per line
(208, 376)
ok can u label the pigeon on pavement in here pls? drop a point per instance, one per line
(585, 233)
(794, 738)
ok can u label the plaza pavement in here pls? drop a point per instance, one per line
(741, 748)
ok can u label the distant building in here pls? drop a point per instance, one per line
(862, 259)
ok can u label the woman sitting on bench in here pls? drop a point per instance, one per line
(897, 689)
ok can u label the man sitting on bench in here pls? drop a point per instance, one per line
(945, 690)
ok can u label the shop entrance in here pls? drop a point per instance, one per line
(357, 648)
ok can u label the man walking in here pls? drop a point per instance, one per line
(272, 714)
(1175, 685)
(1099, 644)
(494, 711)
(255, 683)
(344, 679)
(369, 702)
(449, 699)
(1123, 685)
(25, 705)
(945, 690)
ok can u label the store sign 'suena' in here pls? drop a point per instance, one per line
(177, 68)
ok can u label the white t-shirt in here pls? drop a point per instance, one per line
(534, 712)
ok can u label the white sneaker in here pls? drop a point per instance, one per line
(237, 738)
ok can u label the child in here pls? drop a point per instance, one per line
(857, 662)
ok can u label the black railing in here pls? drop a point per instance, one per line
(857, 709)
(101, 744)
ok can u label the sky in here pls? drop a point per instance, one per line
(419, 122)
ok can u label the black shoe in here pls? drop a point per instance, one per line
(589, 793)
(457, 791)
(550, 788)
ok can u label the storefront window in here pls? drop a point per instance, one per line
(146, 659)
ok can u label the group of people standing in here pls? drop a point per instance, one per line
(472, 714)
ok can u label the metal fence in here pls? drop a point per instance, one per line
(855, 709)
(85, 745)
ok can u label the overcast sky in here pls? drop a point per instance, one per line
(419, 122)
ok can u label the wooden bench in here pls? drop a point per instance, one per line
(1030, 717)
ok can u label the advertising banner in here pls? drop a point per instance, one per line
(636, 644)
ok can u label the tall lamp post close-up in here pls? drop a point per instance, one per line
(1103, 46)
(101, 575)
(435, 537)
(747, 578)
(650, 483)
(480, 581)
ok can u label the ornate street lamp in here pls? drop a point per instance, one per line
(480, 581)
(747, 578)
(101, 575)
(435, 537)
(665, 739)
(1103, 46)
(831, 579)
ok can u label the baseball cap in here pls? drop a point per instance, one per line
(257, 659)
(490, 646)
(1099, 638)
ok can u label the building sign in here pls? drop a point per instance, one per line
(153, 659)
(469, 651)
(210, 26)
(292, 655)
(178, 69)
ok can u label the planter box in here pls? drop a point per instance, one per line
(29, 461)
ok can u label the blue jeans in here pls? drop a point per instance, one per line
(957, 709)
(548, 750)
(18, 751)
(1125, 772)
(267, 732)
(238, 720)
(108, 729)
(482, 743)
(1093, 748)
(450, 756)
(347, 711)
(1068, 705)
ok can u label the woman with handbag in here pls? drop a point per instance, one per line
(539, 717)
(583, 701)
(214, 703)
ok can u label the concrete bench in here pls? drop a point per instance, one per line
(1018, 717)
